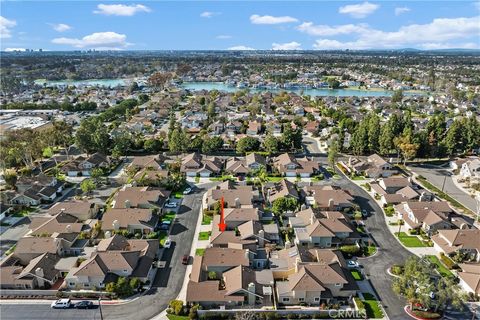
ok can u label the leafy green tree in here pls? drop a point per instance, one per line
(248, 144)
(397, 96)
(448, 293)
(386, 139)
(333, 151)
(407, 148)
(87, 186)
(92, 135)
(271, 144)
(284, 204)
(135, 284)
(454, 138)
(359, 142)
(212, 144)
(178, 141)
(10, 177)
(373, 132)
(153, 145)
(333, 83)
(176, 306)
(291, 139)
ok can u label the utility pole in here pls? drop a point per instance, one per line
(100, 307)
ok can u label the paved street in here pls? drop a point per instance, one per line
(166, 286)
(438, 176)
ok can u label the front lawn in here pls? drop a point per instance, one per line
(274, 179)
(223, 178)
(357, 178)
(206, 220)
(357, 275)
(372, 307)
(24, 212)
(444, 272)
(199, 252)
(369, 251)
(204, 235)
(175, 317)
(409, 241)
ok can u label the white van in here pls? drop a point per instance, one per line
(61, 304)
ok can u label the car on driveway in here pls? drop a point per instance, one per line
(171, 205)
(167, 243)
(352, 264)
(61, 304)
(84, 305)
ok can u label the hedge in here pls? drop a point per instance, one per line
(449, 263)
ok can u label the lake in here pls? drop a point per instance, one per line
(220, 86)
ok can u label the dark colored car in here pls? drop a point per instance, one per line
(84, 305)
(185, 259)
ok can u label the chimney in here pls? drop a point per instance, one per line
(69, 228)
(247, 254)
(297, 262)
(330, 204)
(251, 294)
(116, 225)
(127, 204)
(261, 238)
(40, 277)
(237, 202)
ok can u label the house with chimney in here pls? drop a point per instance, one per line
(289, 166)
(311, 277)
(234, 195)
(133, 220)
(328, 198)
(140, 197)
(196, 164)
(373, 166)
(245, 166)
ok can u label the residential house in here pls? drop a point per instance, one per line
(140, 197)
(244, 166)
(289, 166)
(328, 198)
(80, 209)
(134, 220)
(196, 164)
(469, 278)
(466, 241)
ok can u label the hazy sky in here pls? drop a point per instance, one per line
(74, 25)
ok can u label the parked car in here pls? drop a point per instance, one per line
(185, 259)
(164, 226)
(187, 191)
(352, 264)
(167, 243)
(171, 205)
(84, 305)
(61, 304)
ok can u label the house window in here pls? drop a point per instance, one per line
(301, 299)
(286, 299)
(316, 299)
(71, 284)
(86, 285)
(338, 284)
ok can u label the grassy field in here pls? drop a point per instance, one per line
(204, 235)
(444, 272)
(409, 241)
(199, 252)
(175, 317)
(356, 275)
(274, 179)
(372, 307)
(369, 251)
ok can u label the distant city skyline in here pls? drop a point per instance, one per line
(239, 25)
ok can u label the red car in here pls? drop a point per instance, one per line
(185, 259)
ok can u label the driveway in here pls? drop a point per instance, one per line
(389, 252)
(166, 285)
(442, 179)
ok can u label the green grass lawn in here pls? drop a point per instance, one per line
(206, 220)
(199, 252)
(369, 251)
(444, 272)
(409, 241)
(204, 235)
(372, 307)
(24, 212)
(274, 179)
(223, 178)
(357, 178)
(357, 275)
(175, 317)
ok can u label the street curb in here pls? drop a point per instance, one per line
(389, 271)
(406, 308)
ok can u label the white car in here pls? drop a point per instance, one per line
(61, 304)
(187, 191)
(352, 264)
(167, 243)
(171, 205)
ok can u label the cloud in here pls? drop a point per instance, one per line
(441, 33)
(223, 36)
(99, 40)
(60, 27)
(209, 14)
(401, 10)
(240, 48)
(256, 19)
(286, 46)
(359, 10)
(5, 27)
(14, 49)
(324, 30)
(121, 9)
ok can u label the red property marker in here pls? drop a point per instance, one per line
(222, 226)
